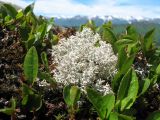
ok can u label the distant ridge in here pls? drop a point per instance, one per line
(142, 25)
(79, 20)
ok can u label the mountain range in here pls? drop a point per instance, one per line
(79, 20)
(142, 24)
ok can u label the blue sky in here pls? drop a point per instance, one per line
(86, 2)
(117, 8)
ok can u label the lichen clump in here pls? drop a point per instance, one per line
(84, 60)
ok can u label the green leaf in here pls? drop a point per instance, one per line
(91, 24)
(29, 8)
(116, 81)
(125, 117)
(133, 48)
(74, 94)
(47, 77)
(122, 56)
(26, 90)
(127, 64)
(30, 42)
(124, 85)
(3, 11)
(154, 79)
(41, 31)
(24, 31)
(144, 85)
(148, 39)
(31, 101)
(45, 60)
(11, 110)
(158, 70)
(26, 93)
(103, 104)
(8, 21)
(71, 95)
(50, 24)
(131, 31)
(128, 101)
(127, 37)
(108, 24)
(154, 116)
(66, 95)
(25, 100)
(124, 42)
(31, 65)
(113, 116)
(34, 102)
(108, 35)
(19, 14)
(31, 18)
(7, 111)
(10, 10)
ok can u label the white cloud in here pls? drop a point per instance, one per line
(52, 8)
(17, 2)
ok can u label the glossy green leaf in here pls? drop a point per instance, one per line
(133, 48)
(71, 95)
(127, 64)
(74, 94)
(108, 35)
(26, 90)
(154, 79)
(34, 102)
(11, 110)
(19, 14)
(127, 37)
(103, 104)
(30, 43)
(45, 60)
(144, 85)
(24, 31)
(113, 116)
(50, 24)
(31, 65)
(10, 10)
(3, 11)
(125, 117)
(158, 70)
(116, 81)
(47, 77)
(8, 21)
(91, 24)
(128, 101)
(131, 31)
(122, 56)
(41, 32)
(148, 39)
(29, 8)
(154, 116)
(25, 100)
(124, 85)
(31, 18)
(124, 42)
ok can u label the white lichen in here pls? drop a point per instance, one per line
(84, 59)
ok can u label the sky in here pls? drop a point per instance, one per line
(91, 8)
